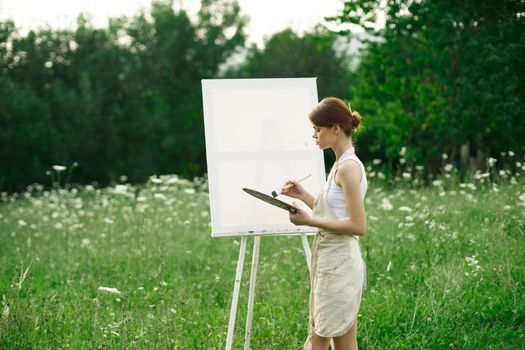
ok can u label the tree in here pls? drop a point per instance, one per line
(286, 54)
(448, 75)
(122, 100)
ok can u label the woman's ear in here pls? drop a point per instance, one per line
(336, 128)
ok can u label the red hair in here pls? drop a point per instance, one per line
(333, 111)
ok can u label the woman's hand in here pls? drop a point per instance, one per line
(293, 189)
(300, 217)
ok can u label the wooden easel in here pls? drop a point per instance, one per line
(251, 293)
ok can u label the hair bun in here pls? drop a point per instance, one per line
(356, 120)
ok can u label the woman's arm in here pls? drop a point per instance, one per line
(349, 176)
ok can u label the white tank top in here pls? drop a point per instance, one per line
(335, 195)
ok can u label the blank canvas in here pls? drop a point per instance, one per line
(258, 136)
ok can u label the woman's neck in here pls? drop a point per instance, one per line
(342, 147)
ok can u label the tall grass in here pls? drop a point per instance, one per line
(135, 267)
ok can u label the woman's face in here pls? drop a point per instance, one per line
(323, 136)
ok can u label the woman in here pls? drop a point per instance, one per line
(338, 271)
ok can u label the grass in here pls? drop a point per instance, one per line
(445, 269)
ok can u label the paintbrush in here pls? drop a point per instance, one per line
(275, 194)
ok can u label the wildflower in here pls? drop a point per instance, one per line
(407, 209)
(406, 175)
(419, 167)
(448, 167)
(5, 312)
(85, 241)
(511, 154)
(386, 205)
(437, 183)
(109, 221)
(109, 290)
(189, 190)
(403, 151)
(402, 160)
(444, 156)
(154, 179)
(502, 172)
(159, 196)
(120, 189)
(59, 168)
(381, 175)
(491, 161)
(376, 161)
(22, 223)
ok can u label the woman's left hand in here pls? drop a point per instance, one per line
(299, 218)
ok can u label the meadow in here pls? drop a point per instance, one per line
(134, 267)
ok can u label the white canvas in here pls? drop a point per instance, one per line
(258, 135)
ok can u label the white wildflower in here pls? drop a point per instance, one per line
(419, 167)
(491, 161)
(448, 167)
(109, 290)
(403, 151)
(376, 161)
(154, 179)
(402, 160)
(386, 205)
(502, 173)
(59, 168)
(5, 312)
(437, 183)
(85, 241)
(444, 156)
(120, 189)
(22, 222)
(407, 209)
(406, 175)
(159, 196)
(189, 190)
(109, 221)
(381, 175)
(511, 154)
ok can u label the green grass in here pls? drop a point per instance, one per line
(445, 270)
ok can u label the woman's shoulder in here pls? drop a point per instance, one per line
(350, 170)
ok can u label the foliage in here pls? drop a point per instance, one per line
(289, 55)
(121, 100)
(134, 267)
(447, 74)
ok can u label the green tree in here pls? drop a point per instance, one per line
(119, 100)
(446, 78)
(287, 55)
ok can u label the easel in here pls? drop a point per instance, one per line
(251, 293)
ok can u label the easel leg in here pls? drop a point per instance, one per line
(307, 251)
(236, 287)
(251, 295)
